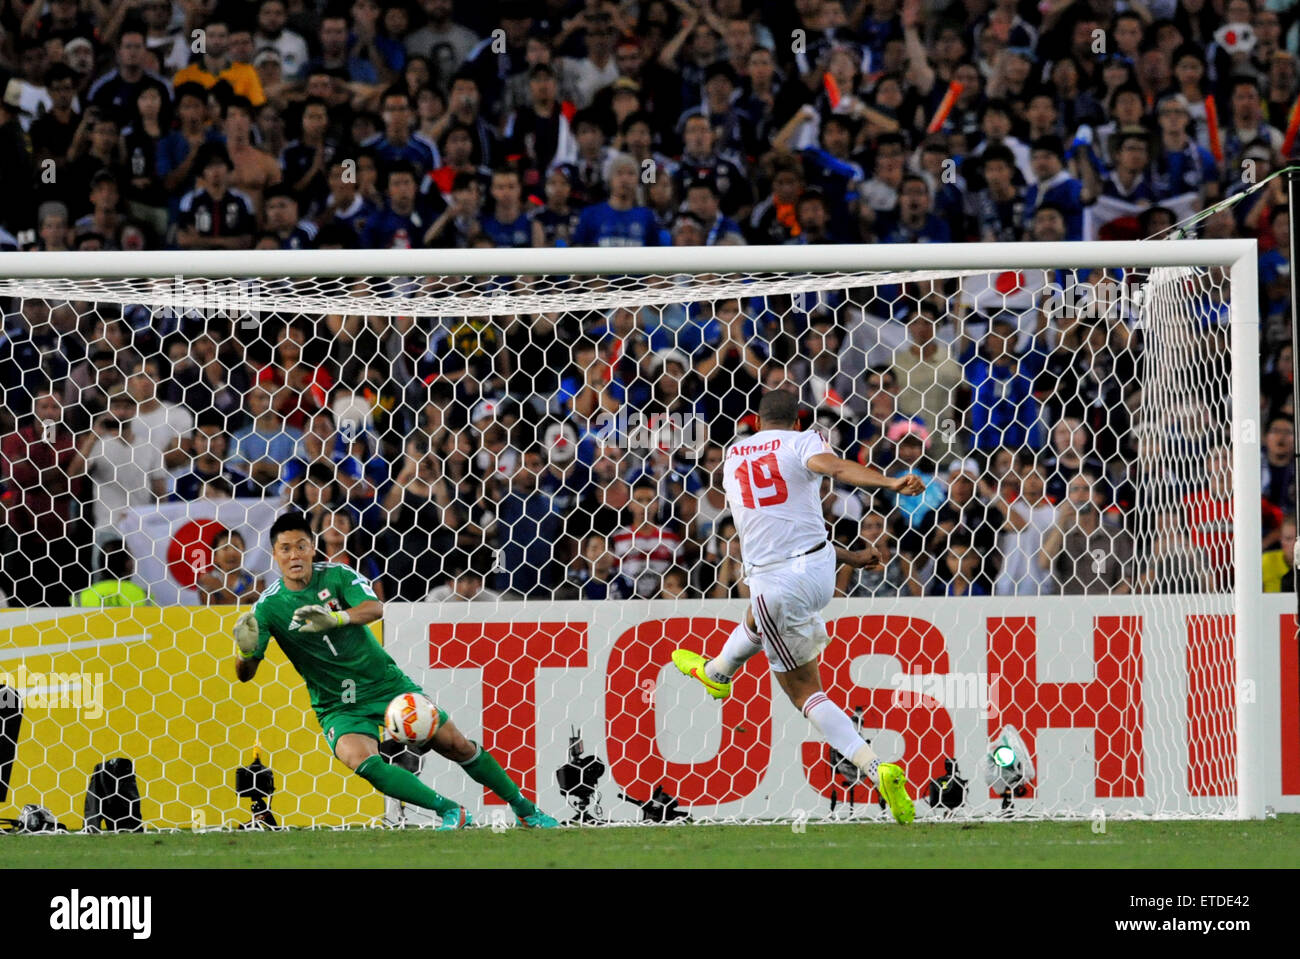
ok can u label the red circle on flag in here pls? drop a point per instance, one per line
(1009, 282)
(189, 554)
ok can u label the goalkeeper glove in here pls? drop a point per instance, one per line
(246, 635)
(317, 619)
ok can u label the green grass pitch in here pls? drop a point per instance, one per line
(1199, 844)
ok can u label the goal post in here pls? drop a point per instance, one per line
(1252, 760)
(1081, 583)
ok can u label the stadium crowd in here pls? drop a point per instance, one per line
(465, 457)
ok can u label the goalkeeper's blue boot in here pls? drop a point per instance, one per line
(457, 818)
(538, 820)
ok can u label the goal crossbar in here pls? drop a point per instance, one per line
(624, 261)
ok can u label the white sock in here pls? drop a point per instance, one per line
(865, 759)
(837, 729)
(740, 646)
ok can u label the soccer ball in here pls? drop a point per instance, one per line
(411, 718)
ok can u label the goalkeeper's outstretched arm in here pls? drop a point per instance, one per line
(370, 611)
(319, 619)
(309, 619)
(246, 642)
(246, 669)
(855, 474)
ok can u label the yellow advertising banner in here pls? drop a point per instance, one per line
(157, 685)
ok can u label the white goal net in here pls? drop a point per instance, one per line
(523, 451)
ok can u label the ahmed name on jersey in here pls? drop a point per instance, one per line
(774, 498)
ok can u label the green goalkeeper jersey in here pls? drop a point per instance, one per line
(344, 665)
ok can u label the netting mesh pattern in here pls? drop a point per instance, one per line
(528, 469)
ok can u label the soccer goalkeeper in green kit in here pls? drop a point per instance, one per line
(320, 613)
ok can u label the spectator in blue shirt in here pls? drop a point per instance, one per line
(528, 526)
(283, 221)
(267, 444)
(1128, 179)
(948, 184)
(398, 141)
(1047, 225)
(339, 51)
(956, 572)
(1003, 410)
(731, 124)
(344, 205)
(913, 221)
(1181, 164)
(702, 200)
(996, 212)
(1275, 265)
(306, 161)
(829, 168)
(177, 151)
(1054, 185)
(619, 221)
(208, 450)
(813, 215)
(594, 574)
(503, 54)
(701, 158)
(368, 38)
(399, 225)
(116, 92)
(507, 225)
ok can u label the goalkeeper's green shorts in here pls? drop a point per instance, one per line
(365, 717)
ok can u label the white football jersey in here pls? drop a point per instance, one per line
(773, 496)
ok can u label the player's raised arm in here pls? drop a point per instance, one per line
(362, 606)
(319, 619)
(855, 474)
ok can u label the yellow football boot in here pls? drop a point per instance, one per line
(692, 664)
(893, 789)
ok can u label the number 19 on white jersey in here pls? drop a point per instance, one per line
(773, 496)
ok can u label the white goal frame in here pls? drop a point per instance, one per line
(1257, 727)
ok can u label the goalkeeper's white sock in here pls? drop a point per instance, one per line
(837, 729)
(740, 646)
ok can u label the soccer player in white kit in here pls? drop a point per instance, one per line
(773, 481)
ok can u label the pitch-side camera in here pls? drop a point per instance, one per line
(660, 807)
(947, 792)
(256, 782)
(578, 779)
(1007, 767)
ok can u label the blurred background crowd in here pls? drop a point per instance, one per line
(475, 456)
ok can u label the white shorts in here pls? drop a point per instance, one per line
(787, 600)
